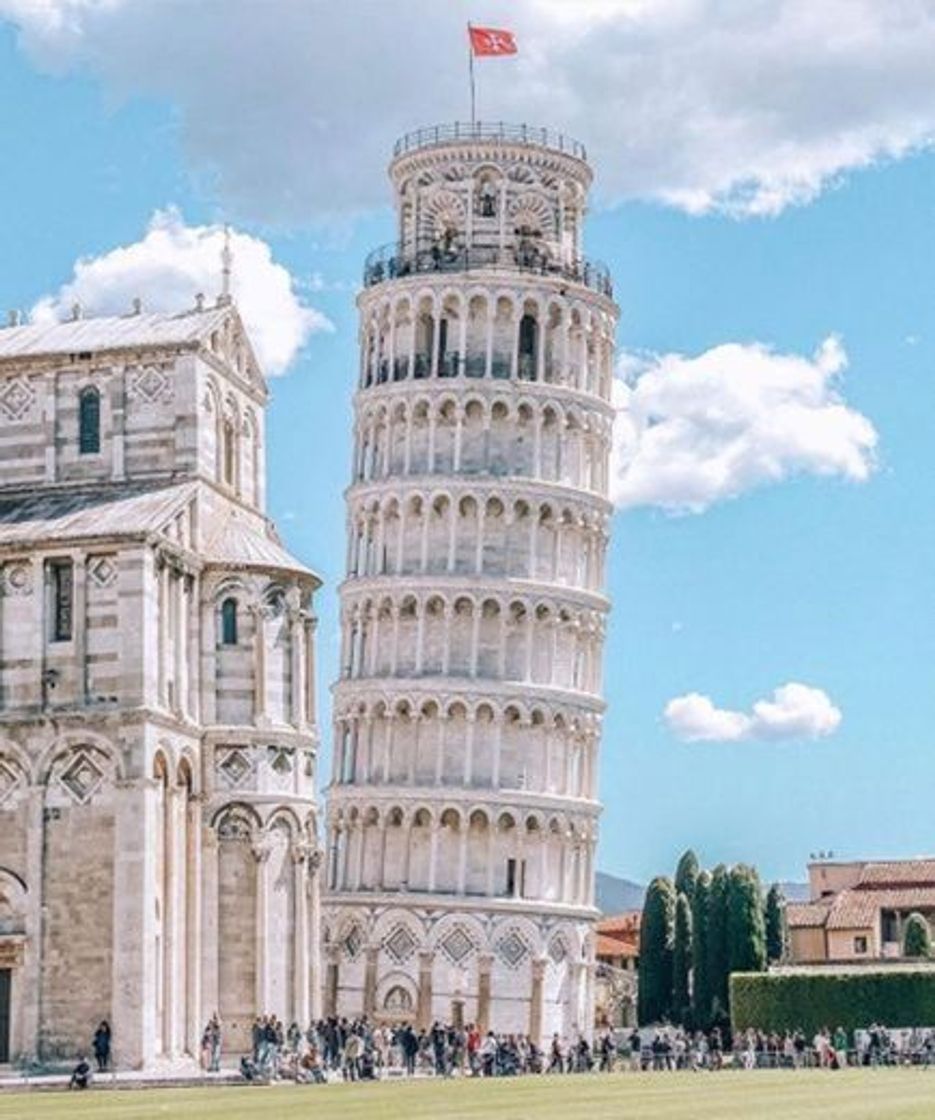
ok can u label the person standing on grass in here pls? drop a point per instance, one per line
(102, 1046)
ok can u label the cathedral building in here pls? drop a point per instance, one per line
(158, 745)
(462, 811)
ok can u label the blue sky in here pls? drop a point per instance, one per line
(821, 580)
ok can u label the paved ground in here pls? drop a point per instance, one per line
(813, 1095)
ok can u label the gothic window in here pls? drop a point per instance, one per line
(61, 586)
(229, 622)
(89, 421)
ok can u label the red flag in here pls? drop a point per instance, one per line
(491, 41)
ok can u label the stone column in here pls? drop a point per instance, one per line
(194, 926)
(210, 991)
(170, 970)
(134, 964)
(300, 965)
(535, 1001)
(331, 982)
(261, 954)
(424, 1009)
(484, 965)
(370, 981)
(299, 688)
(313, 886)
(259, 668)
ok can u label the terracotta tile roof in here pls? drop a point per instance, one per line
(626, 924)
(858, 908)
(807, 915)
(612, 947)
(898, 873)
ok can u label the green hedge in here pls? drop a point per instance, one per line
(780, 1002)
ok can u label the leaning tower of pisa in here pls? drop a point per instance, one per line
(463, 810)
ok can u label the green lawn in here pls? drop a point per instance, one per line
(814, 1095)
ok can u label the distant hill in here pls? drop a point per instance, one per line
(615, 895)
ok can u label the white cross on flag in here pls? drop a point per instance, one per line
(491, 41)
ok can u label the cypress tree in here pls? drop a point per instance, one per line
(656, 942)
(917, 938)
(686, 875)
(718, 953)
(746, 929)
(701, 965)
(682, 961)
(775, 924)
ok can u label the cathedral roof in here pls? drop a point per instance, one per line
(239, 543)
(77, 514)
(110, 332)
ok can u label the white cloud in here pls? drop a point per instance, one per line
(172, 263)
(692, 431)
(795, 711)
(742, 107)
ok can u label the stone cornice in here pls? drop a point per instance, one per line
(504, 587)
(425, 902)
(514, 486)
(465, 797)
(473, 689)
(461, 388)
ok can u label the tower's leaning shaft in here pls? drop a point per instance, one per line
(463, 805)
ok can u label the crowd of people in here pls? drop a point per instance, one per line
(358, 1050)
(671, 1048)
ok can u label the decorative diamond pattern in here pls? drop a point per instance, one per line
(400, 944)
(82, 779)
(558, 951)
(9, 781)
(235, 768)
(103, 571)
(16, 399)
(352, 942)
(512, 949)
(458, 945)
(151, 386)
(281, 762)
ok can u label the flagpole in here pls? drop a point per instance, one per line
(471, 75)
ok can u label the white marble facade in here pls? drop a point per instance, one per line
(462, 810)
(158, 856)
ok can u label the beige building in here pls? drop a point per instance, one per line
(463, 811)
(858, 908)
(158, 855)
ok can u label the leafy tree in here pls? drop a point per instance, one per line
(657, 933)
(701, 965)
(775, 924)
(686, 875)
(917, 937)
(746, 929)
(718, 951)
(682, 960)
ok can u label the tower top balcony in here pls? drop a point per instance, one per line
(467, 132)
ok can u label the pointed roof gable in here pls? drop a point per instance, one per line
(193, 329)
